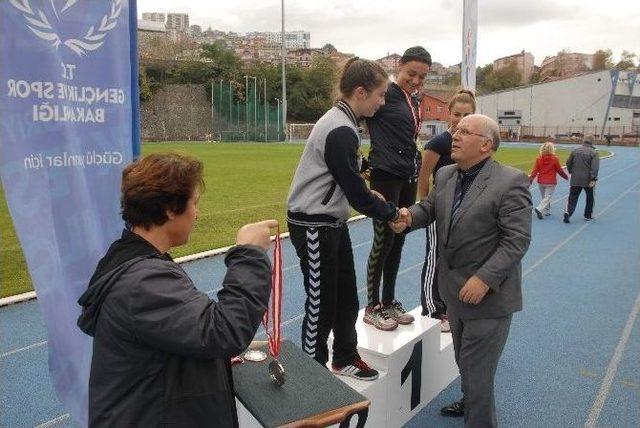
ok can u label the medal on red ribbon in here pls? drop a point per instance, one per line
(276, 371)
(415, 112)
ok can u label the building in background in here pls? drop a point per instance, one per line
(565, 64)
(292, 39)
(600, 103)
(178, 21)
(434, 115)
(153, 16)
(522, 61)
(390, 63)
(151, 35)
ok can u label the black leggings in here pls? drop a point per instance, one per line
(386, 250)
(326, 260)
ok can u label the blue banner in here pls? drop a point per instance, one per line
(68, 103)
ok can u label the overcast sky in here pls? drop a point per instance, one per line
(373, 28)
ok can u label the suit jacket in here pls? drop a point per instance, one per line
(487, 237)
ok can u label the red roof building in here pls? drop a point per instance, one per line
(433, 108)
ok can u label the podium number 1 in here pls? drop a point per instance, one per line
(414, 366)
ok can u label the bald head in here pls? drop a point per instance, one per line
(489, 128)
(476, 138)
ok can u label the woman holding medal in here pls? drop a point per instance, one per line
(162, 348)
(327, 183)
(395, 163)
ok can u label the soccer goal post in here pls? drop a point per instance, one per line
(299, 131)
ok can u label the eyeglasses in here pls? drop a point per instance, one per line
(465, 131)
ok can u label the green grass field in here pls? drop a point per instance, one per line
(245, 182)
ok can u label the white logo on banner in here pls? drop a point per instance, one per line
(38, 22)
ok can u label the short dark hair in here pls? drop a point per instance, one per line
(416, 53)
(157, 183)
(361, 72)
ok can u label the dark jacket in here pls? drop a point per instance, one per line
(161, 348)
(583, 165)
(393, 136)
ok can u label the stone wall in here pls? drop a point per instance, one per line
(176, 113)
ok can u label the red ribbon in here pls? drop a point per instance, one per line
(275, 301)
(417, 115)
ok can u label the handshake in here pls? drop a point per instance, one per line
(402, 222)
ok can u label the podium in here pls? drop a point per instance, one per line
(310, 397)
(415, 361)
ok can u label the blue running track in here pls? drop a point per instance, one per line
(573, 355)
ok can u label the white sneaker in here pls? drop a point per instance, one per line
(357, 370)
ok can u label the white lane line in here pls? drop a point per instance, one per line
(26, 348)
(605, 388)
(54, 422)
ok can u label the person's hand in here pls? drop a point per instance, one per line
(378, 195)
(402, 222)
(257, 234)
(473, 291)
(366, 174)
(592, 183)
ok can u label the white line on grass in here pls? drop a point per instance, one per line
(603, 392)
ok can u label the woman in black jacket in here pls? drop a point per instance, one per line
(161, 348)
(395, 164)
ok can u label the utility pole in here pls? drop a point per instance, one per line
(212, 120)
(255, 108)
(284, 80)
(278, 101)
(246, 105)
(266, 111)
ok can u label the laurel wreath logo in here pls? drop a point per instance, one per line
(38, 23)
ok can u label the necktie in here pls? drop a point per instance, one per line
(457, 196)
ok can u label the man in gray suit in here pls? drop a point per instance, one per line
(583, 165)
(482, 211)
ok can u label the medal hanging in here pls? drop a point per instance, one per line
(415, 112)
(276, 371)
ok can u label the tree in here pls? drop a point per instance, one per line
(224, 62)
(602, 60)
(536, 77)
(481, 75)
(144, 85)
(311, 90)
(627, 60)
(329, 48)
(503, 78)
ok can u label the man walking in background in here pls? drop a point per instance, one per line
(583, 165)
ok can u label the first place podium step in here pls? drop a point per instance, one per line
(416, 362)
